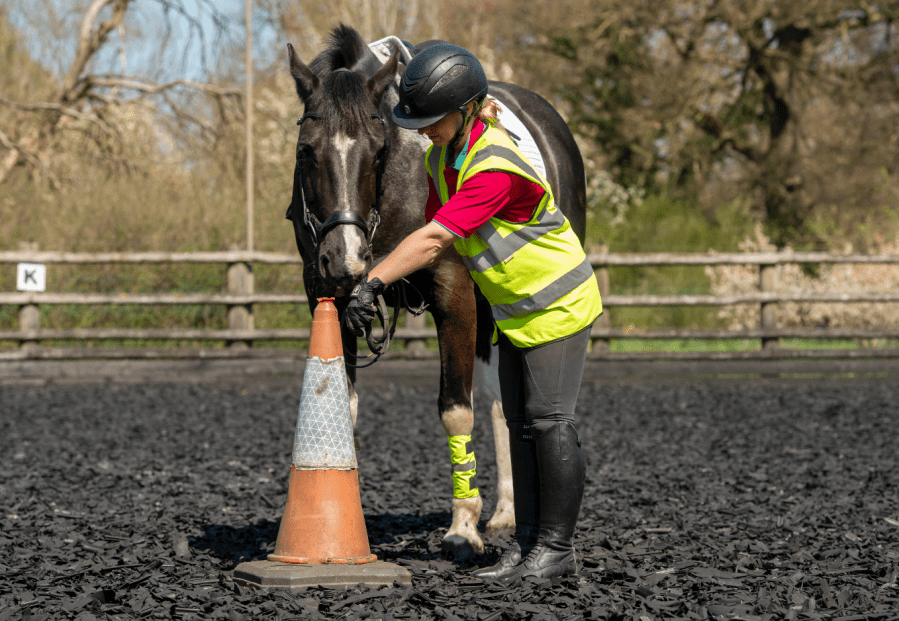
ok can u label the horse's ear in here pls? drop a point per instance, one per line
(306, 81)
(383, 78)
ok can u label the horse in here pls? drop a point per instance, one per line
(360, 187)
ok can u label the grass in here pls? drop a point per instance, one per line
(637, 345)
(740, 345)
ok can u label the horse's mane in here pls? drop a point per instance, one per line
(342, 99)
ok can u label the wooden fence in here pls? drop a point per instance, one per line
(239, 296)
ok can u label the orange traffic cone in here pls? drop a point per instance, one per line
(322, 521)
(322, 539)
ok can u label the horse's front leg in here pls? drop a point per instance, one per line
(350, 353)
(456, 321)
(502, 522)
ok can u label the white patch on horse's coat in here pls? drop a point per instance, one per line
(466, 513)
(503, 519)
(457, 421)
(343, 144)
(354, 241)
(354, 401)
(486, 382)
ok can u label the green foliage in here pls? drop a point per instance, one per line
(660, 223)
(716, 100)
(606, 90)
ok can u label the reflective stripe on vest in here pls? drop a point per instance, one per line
(502, 248)
(563, 285)
(549, 291)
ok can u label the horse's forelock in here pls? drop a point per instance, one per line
(343, 98)
(344, 101)
(346, 50)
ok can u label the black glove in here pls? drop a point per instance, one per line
(361, 310)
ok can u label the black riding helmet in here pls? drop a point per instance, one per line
(439, 79)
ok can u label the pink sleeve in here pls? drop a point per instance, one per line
(480, 198)
(433, 204)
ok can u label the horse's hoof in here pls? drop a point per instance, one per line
(457, 548)
(497, 532)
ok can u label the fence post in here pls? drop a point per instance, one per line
(415, 346)
(29, 314)
(768, 282)
(603, 321)
(29, 319)
(240, 316)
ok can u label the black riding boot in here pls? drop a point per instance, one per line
(562, 471)
(526, 495)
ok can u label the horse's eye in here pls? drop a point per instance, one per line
(306, 154)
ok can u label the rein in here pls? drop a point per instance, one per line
(378, 346)
(309, 230)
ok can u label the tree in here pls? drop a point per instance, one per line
(477, 26)
(93, 105)
(775, 101)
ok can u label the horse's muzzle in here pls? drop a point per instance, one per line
(343, 265)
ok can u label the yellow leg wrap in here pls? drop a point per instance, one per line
(464, 467)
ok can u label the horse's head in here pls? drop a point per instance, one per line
(340, 155)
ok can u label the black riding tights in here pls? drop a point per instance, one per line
(540, 385)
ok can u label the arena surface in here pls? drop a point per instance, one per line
(706, 499)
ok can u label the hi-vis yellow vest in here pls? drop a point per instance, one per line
(539, 283)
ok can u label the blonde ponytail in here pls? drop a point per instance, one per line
(487, 110)
(489, 114)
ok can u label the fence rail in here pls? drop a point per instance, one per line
(240, 298)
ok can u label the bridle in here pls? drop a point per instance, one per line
(309, 231)
(316, 229)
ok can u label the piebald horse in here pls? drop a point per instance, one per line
(360, 187)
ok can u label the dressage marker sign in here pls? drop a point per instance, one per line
(31, 277)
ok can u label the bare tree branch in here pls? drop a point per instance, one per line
(149, 88)
(32, 158)
(94, 101)
(89, 41)
(63, 110)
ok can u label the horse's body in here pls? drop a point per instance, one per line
(345, 90)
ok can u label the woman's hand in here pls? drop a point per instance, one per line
(360, 312)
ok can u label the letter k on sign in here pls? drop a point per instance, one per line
(31, 277)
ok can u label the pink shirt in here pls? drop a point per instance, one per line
(484, 195)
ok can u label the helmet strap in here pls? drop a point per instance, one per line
(459, 134)
(465, 119)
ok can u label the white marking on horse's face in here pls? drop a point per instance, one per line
(343, 145)
(352, 237)
(355, 244)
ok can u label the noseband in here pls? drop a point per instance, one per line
(310, 230)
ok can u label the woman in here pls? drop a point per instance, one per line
(487, 200)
